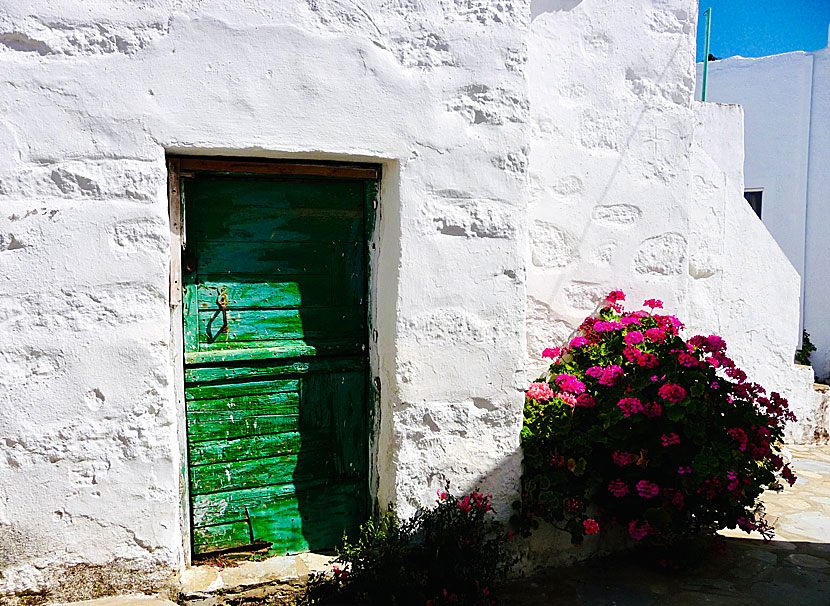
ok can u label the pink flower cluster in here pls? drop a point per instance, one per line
(673, 498)
(603, 326)
(618, 488)
(732, 481)
(606, 375)
(653, 303)
(687, 360)
(591, 526)
(672, 392)
(647, 489)
(639, 357)
(638, 530)
(634, 337)
(586, 400)
(577, 342)
(570, 384)
(551, 352)
(540, 392)
(655, 335)
(739, 435)
(670, 439)
(630, 406)
(477, 500)
(622, 459)
(567, 398)
(683, 470)
(652, 410)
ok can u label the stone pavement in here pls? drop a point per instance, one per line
(792, 569)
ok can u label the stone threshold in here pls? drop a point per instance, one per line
(278, 579)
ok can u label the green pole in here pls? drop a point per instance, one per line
(708, 14)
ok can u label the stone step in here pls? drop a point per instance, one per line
(291, 570)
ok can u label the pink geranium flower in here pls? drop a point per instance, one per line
(591, 526)
(672, 392)
(655, 335)
(647, 489)
(634, 337)
(630, 406)
(570, 384)
(618, 488)
(551, 352)
(540, 392)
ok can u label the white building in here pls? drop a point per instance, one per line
(786, 102)
(530, 156)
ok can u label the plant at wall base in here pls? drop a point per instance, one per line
(451, 553)
(635, 427)
(802, 355)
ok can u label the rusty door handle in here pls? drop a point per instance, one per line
(222, 302)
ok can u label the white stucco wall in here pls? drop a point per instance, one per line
(529, 167)
(636, 186)
(785, 100)
(734, 290)
(93, 94)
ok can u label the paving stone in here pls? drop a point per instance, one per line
(716, 585)
(693, 598)
(807, 561)
(764, 556)
(123, 600)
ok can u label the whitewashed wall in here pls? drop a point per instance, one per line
(636, 186)
(529, 168)
(92, 94)
(786, 101)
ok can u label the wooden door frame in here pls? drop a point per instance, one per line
(179, 166)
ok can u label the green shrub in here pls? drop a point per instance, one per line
(451, 553)
(635, 426)
(802, 355)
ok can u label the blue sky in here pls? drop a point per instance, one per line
(754, 28)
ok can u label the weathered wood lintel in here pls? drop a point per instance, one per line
(265, 167)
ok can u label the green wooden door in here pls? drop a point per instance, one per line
(275, 312)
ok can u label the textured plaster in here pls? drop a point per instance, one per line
(529, 167)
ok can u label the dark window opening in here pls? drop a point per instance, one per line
(754, 199)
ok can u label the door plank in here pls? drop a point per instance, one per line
(278, 324)
(203, 426)
(207, 539)
(260, 472)
(295, 291)
(272, 368)
(258, 446)
(233, 505)
(222, 257)
(274, 403)
(230, 390)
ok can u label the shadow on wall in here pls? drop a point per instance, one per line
(547, 546)
(537, 7)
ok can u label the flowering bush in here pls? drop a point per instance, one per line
(451, 553)
(635, 426)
